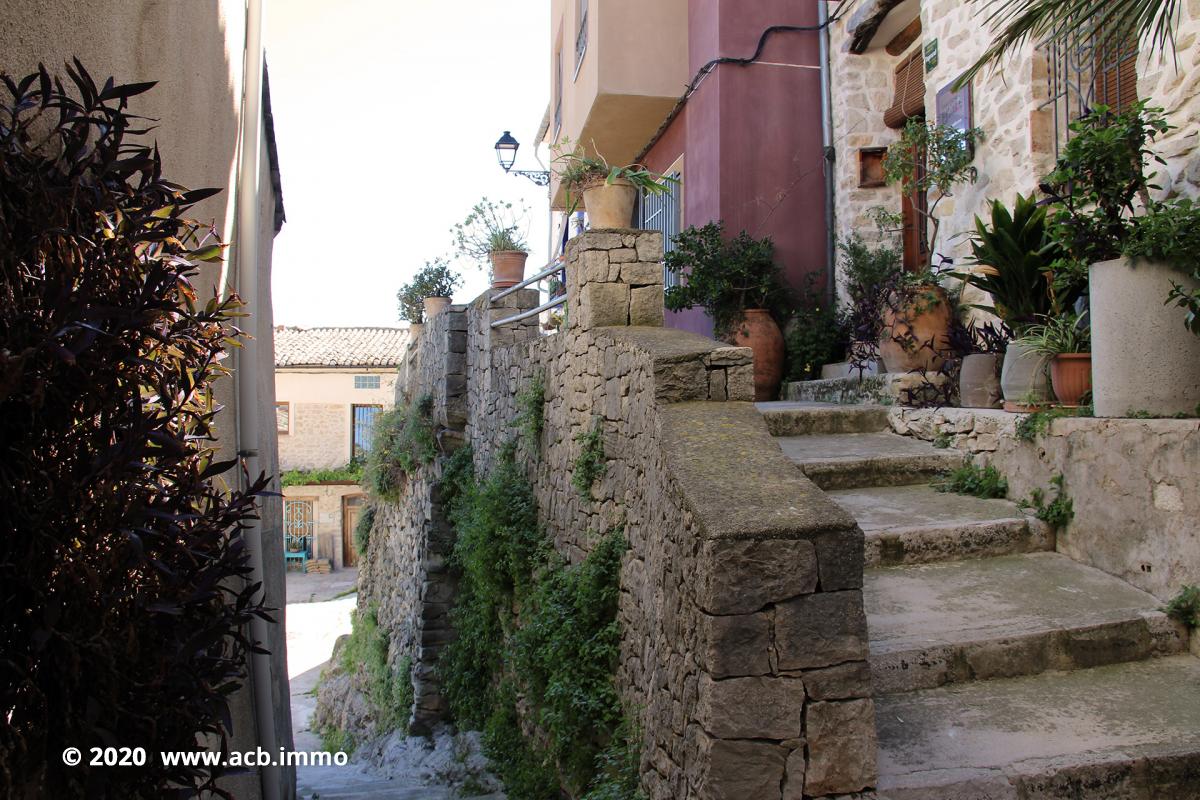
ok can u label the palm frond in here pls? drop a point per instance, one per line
(1111, 22)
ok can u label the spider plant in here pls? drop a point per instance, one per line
(578, 170)
(1057, 335)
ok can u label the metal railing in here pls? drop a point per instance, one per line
(556, 265)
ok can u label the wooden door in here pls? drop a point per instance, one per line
(352, 506)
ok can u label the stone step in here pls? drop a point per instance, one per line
(953, 622)
(918, 524)
(1123, 732)
(787, 418)
(856, 460)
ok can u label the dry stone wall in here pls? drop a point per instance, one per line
(743, 653)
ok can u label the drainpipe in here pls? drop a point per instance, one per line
(246, 250)
(828, 153)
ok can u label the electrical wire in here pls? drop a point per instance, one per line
(704, 71)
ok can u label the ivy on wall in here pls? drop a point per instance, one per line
(351, 473)
(404, 439)
(538, 634)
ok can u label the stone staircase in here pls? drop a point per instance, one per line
(1002, 670)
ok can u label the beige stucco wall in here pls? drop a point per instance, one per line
(629, 78)
(195, 51)
(320, 399)
(1018, 145)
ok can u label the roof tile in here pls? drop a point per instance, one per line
(339, 347)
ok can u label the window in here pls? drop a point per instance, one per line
(1083, 71)
(366, 381)
(663, 213)
(558, 90)
(581, 36)
(363, 418)
(298, 526)
(283, 417)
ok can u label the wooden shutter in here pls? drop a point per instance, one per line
(1115, 82)
(909, 98)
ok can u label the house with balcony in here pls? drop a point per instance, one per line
(330, 385)
(708, 94)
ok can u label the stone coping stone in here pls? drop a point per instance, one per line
(736, 480)
(1122, 730)
(670, 346)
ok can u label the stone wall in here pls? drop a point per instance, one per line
(319, 437)
(743, 655)
(1133, 484)
(1008, 104)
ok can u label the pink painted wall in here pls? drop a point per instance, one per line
(752, 135)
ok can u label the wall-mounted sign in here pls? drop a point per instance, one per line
(930, 55)
(954, 107)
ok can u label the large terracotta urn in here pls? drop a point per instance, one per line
(609, 205)
(916, 330)
(508, 268)
(1143, 357)
(759, 331)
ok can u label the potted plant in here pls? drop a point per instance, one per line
(1141, 255)
(928, 161)
(1067, 341)
(412, 310)
(867, 270)
(1013, 259)
(737, 281)
(983, 350)
(492, 233)
(609, 192)
(434, 284)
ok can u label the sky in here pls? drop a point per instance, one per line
(386, 114)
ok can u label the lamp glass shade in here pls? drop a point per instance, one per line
(506, 151)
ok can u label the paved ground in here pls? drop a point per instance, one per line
(315, 588)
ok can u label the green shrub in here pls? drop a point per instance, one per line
(1056, 513)
(362, 530)
(351, 473)
(531, 414)
(817, 335)
(558, 656)
(591, 464)
(390, 695)
(404, 440)
(123, 546)
(985, 482)
(1185, 606)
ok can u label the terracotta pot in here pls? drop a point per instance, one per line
(1144, 358)
(435, 306)
(1071, 376)
(758, 331)
(926, 319)
(610, 205)
(414, 330)
(508, 268)
(1025, 378)
(979, 381)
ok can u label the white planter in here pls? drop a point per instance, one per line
(1143, 358)
(1024, 377)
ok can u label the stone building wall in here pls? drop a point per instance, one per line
(1009, 104)
(319, 437)
(1132, 483)
(327, 516)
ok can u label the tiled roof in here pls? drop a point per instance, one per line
(339, 347)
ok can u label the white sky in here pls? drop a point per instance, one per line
(386, 115)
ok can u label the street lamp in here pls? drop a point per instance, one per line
(506, 154)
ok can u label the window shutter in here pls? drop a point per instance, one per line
(909, 99)
(1116, 79)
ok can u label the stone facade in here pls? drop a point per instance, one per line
(327, 500)
(1009, 104)
(743, 655)
(1132, 483)
(319, 437)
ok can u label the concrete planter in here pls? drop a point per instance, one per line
(435, 306)
(610, 205)
(508, 268)
(1143, 358)
(979, 381)
(1024, 378)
